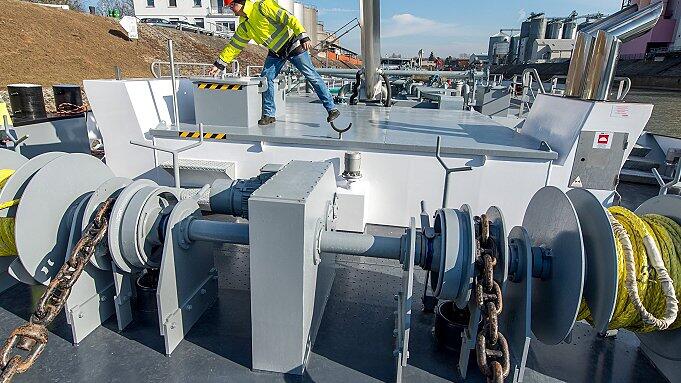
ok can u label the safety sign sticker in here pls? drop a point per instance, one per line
(603, 140)
(620, 110)
(212, 86)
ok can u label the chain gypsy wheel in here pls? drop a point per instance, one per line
(32, 337)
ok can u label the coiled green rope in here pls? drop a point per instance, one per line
(649, 272)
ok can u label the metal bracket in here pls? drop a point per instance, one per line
(340, 131)
(91, 300)
(187, 283)
(404, 303)
(448, 171)
(468, 338)
(15, 141)
(263, 85)
(664, 187)
(175, 153)
(122, 296)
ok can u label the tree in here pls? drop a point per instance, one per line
(76, 5)
(431, 57)
(127, 7)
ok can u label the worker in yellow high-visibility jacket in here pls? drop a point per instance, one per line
(268, 24)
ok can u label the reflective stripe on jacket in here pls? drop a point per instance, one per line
(267, 24)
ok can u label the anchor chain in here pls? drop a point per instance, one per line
(32, 337)
(491, 346)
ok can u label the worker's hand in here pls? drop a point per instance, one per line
(214, 71)
(307, 45)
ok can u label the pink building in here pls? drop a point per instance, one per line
(664, 36)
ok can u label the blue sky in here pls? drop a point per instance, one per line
(448, 27)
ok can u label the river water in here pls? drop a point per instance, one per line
(666, 118)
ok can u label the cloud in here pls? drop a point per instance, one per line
(522, 15)
(406, 24)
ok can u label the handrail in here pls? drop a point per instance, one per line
(554, 83)
(528, 75)
(15, 141)
(624, 87)
(155, 68)
(664, 186)
(174, 152)
(497, 78)
(248, 69)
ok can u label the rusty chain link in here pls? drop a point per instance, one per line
(491, 346)
(32, 337)
(68, 109)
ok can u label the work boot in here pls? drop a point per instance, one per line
(333, 114)
(266, 120)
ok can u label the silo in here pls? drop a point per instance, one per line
(287, 5)
(299, 12)
(537, 31)
(554, 30)
(514, 47)
(495, 49)
(570, 30)
(502, 48)
(522, 49)
(525, 29)
(310, 23)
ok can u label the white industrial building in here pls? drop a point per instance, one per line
(214, 16)
(209, 14)
(552, 50)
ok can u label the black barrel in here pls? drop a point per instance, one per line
(147, 309)
(450, 322)
(67, 94)
(27, 101)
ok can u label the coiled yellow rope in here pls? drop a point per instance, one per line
(8, 246)
(649, 272)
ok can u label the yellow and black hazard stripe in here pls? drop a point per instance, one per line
(206, 136)
(213, 86)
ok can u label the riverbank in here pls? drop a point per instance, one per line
(661, 74)
(666, 118)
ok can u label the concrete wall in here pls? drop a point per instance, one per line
(664, 74)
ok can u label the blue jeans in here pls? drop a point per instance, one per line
(303, 62)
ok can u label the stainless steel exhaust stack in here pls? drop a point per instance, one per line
(608, 22)
(586, 38)
(596, 53)
(576, 77)
(371, 46)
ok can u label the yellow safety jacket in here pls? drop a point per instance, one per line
(267, 24)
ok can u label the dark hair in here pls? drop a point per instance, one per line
(242, 2)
